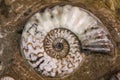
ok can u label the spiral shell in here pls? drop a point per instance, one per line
(53, 39)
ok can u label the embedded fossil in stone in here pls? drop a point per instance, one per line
(53, 40)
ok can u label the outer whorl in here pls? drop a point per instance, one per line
(52, 40)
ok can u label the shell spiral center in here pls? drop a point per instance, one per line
(57, 42)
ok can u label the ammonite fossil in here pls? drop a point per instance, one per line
(55, 39)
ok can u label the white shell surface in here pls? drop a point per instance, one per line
(7, 78)
(89, 30)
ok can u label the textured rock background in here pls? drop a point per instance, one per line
(14, 14)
